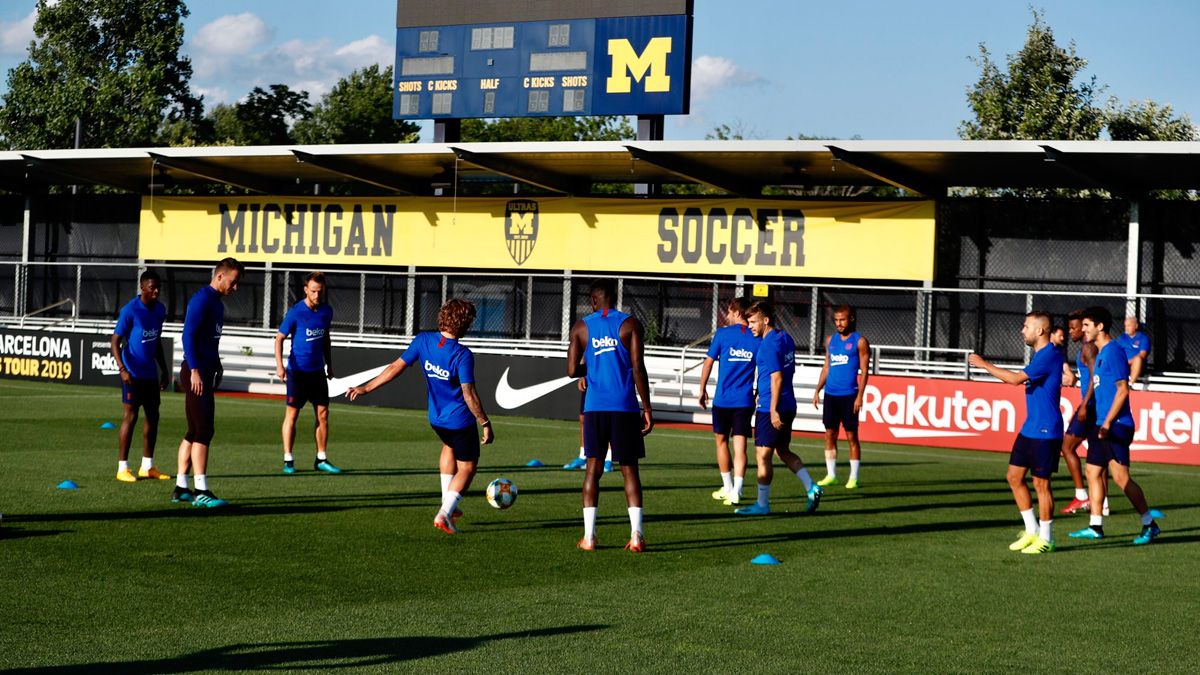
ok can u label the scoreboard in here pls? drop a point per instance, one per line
(541, 66)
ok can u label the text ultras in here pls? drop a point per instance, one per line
(765, 237)
(313, 229)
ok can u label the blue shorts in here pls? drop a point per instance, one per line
(1085, 428)
(464, 442)
(305, 386)
(1115, 447)
(621, 430)
(839, 410)
(1038, 454)
(767, 436)
(142, 393)
(732, 421)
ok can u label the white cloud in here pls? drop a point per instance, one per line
(233, 35)
(712, 73)
(15, 36)
(365, 52)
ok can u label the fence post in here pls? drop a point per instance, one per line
(78, 293)
(716, 306)
(566, 306)
(529, 307)
(918, 324)
(268, 286)
(20, 303)
(362, 300)
(1028, 309)
(1131, 260)
(410, 299)
(445, 287)
(812, 320)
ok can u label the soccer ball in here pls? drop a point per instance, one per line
(501, 493)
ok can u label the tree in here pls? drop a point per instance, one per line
(265, 117)
(547, 129)
(1147, 121)
(1037, 97)
(113, 64)
(357, 110)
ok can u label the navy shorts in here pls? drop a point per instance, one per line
(307, 386)
(1038, 454)
(732, 421)
(143, 393)
(839, 411)
(767, 436)
(201, 410)
(464, 442)
(621, 430)
(1085, 428)
(1115, 447)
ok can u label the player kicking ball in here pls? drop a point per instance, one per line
(1040, 440)
(454, 405)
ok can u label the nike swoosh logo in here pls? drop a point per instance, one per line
(149, 340)
(339, 385)
(508, 398)
(319, 337)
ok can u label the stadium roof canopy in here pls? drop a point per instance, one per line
(929, 168)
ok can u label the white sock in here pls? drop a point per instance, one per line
(147, 463)
(446, 478)
(181, 481)
(122, 466)
(805, 479)
(854, 464)
(831, 466)
(635, 520)
(1081, 494)
(1030, 521)
(581, 453)
(1147, 518)
(764, 495)
(1044, 529)
(727, 481)
(1105, 502)
(450, 502)
(737, 485)
(201, 482)
(589, 522)
(289, 457)
(608, 455)
(1096, 521)
(321, 457)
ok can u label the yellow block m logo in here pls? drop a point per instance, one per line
(626, 62)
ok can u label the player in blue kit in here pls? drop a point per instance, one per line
(776, 366)
(137, 347)
(1108, 445)
(734, 346)
(1040, 440)
(606, 347)
(1083, 418)
(310, 364)
(844, 378)
(454, 405)
(1136, 346)
(199, 374)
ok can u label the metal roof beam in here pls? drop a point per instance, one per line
(696, 172)
(1119, 185)
(231, 177)
(888, 171)
(67, 176)
(525, 174)
(388, 180)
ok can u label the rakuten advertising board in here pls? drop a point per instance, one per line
(987, 416)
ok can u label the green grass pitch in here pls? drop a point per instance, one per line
(345, 573)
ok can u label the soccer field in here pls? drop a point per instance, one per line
(340, 573)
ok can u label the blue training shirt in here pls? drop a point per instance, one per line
(1139, 342)
(609, 370)
(1043, 390)
(309, 330)
(776, 354)
(1111, 366)
(842, 379)
(734, 348)
(140, 327)
(447, 366)
(202, 327)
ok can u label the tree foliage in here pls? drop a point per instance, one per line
(264, 117)
(357, 110)
(1040, 95)
(114, 64)
(547, 129)
(1147, 121)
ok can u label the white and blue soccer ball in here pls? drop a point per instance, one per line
(502, 493)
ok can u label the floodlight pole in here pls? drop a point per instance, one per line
(1131, 261)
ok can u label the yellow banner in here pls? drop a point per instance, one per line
(757, 237)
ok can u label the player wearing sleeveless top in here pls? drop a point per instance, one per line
(844, 378)
(734, 346)
(606, 348)
(454, 405)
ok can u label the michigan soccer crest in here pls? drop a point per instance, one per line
(520, 228)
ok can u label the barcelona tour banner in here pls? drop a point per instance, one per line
(759, 237)
(61, 357)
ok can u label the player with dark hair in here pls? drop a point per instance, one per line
(454, 405)
(1058, 337)
(1083, 418)
(776, 365)
(606, 348)
(199, 374)
(137, 348)
(1039, 442)
(734, 346)
(1108, 445)
(844, 378)
(310, 365)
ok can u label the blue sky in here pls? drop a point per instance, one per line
(881, 70)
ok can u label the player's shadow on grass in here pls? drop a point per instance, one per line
(813, 535)
(314, 656)
(1125, 540)
(302, 474)
(9, 532)
(285, 507)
